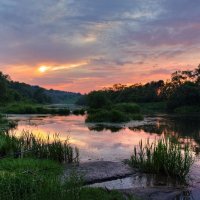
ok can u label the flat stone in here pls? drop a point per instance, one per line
(99, 171)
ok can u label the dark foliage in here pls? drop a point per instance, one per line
(11, 91)
(182, 90)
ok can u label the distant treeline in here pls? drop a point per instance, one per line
(11, 91)
(183, 90)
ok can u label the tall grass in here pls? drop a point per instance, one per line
(29, 145)
(163, 156)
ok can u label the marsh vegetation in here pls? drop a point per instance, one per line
(40, 147)
(123, 112)
(27, 108)
(163, 156)
(31, 168)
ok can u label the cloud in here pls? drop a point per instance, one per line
(119, 40)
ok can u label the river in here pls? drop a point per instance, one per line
(115, 142)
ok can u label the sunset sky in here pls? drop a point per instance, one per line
(82, 45)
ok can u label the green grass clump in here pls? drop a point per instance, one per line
(30, 165)
(127, 107)
(29, 145)
(164, 156)
(33, 109)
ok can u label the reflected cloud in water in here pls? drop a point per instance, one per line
(108, 141)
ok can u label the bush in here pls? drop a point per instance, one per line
(153, 107)
(107, 116)
(97, 99)
(187, 109)
(79, 112)
(122, 112)
(187, 94)
(127, 107)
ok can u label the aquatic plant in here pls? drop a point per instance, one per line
(163, 156)
(29, 145)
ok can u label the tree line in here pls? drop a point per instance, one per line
(12, 91)
(183, 89)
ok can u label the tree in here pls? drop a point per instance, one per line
(3, 86)
(97, 99)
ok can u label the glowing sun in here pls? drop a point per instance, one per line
(43, 69)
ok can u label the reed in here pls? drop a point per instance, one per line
(163, 156)
(29, 145)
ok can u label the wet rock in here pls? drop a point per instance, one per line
(95, 172)
(154, 193)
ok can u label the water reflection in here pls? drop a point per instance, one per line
(110, 141)
(103, 127)
(178, 125)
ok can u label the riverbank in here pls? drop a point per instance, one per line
(109, 144)
(120, 177)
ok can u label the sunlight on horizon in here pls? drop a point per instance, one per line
(43, 69)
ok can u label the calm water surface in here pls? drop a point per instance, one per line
(110, 141)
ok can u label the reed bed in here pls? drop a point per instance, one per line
(29, 145)
(163, 156)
